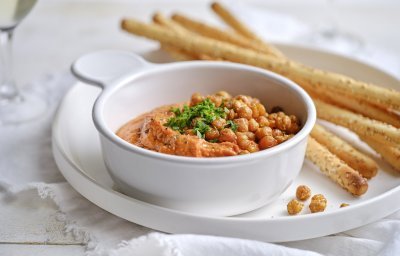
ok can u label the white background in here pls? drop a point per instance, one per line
(57, 31)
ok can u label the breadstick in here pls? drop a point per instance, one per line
(229, 19)
(353, 158)
(163, 21)
(359, 106)
(242, 29)
(181, 55)
(290, 69)
(218, 34)
(390, 154)
(365, 109)
(175, 52)
(336, 169)
(363, 126)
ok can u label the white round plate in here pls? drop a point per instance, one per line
(77, 152)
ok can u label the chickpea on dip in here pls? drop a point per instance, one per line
(211, 126)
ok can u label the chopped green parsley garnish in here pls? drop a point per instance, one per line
(231, 125)
(198, 117)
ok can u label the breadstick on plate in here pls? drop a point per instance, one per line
(181, 55)
(290, 69)
(242, 29)
(353, 158)
(336, 169)
(163, 21)
(358, 106)
(217, 34)
(391, 154)
(359, 124)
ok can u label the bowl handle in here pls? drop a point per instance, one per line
(102, 67)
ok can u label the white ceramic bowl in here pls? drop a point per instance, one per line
(221, 186)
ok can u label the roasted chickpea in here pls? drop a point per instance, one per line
(242, 124)
(245, 112)
(272, 120)
(283, 123)
(243, 98)
(212, 134)
(228, 103)
(303, 192)
(254, 110)
(253, 147)
(294, 128)
(277, 132)
(219, 123)
(253, 125)
(244, 152)
(272, 123)
(318, 203)
(251, 136)
(272, 116)
(262, 132)
(227, 135)
(223, 94)
(242, 140)
(294, 119)
(261, 109)
(196, 99)
(263, 121)
(294, 207)
(246, 135)
(295, 125)
(267, 142)
(231, 115)
(216, 100)
(238, 104)
(282, 138)
(281, 114)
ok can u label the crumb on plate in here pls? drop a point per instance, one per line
(303, 192)
(318, 203)
(294, 207)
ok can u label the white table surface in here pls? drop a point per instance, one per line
(58, 31)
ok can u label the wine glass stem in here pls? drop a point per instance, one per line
(8, 90)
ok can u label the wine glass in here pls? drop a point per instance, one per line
(15, 108)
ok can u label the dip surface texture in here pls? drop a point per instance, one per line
(210, 126)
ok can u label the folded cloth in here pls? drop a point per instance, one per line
(106, 234)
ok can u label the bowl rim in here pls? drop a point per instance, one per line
(153, 69)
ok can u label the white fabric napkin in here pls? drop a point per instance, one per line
(28, 173)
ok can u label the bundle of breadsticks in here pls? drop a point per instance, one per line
(368, 110)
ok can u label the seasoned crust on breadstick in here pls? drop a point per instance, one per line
(366, 166)
(336, 169)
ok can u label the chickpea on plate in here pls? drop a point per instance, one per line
(211, 126)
